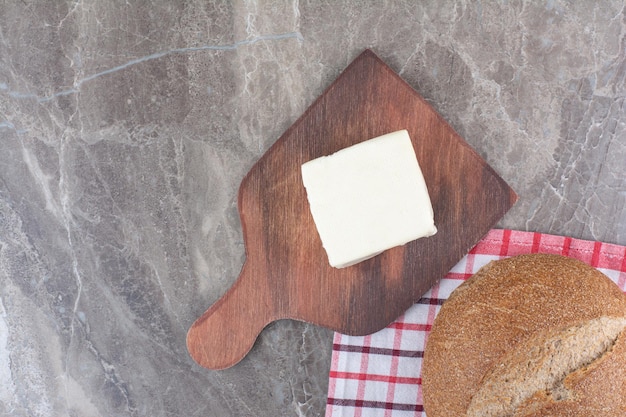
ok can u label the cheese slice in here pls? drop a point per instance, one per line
(368, 198)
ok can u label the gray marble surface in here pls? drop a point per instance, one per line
(127, 126)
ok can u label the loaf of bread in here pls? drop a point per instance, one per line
(533, 335)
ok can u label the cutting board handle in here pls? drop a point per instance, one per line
(226, 332)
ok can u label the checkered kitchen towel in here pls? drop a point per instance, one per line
(380, 374)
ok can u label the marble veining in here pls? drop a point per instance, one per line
(77, 83)
(126, 128)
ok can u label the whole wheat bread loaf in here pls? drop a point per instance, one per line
(532, 335)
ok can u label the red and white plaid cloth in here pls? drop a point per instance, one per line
(380, 374)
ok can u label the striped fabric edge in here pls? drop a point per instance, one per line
(365, 379)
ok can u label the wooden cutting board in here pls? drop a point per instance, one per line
(286, 273)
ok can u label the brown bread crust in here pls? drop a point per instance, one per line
(508, 302)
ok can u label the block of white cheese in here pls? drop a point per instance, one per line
(368, 198)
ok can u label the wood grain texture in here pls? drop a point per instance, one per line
(286, 273)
